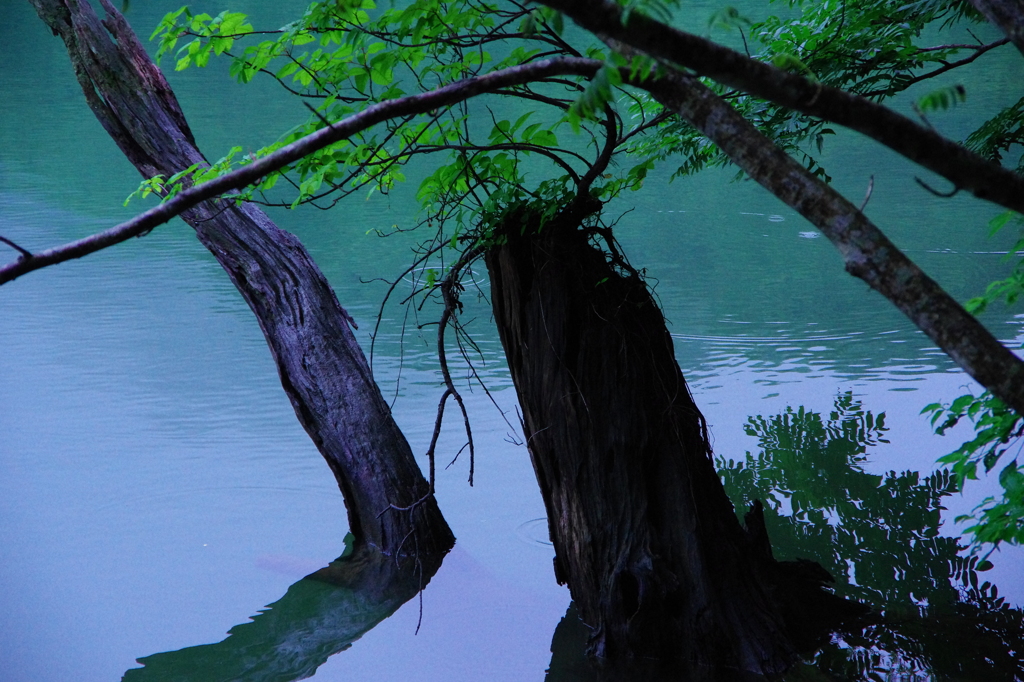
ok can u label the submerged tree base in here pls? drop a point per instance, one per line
(657, 562)
(321, 615)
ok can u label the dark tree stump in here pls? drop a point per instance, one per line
(644, 534)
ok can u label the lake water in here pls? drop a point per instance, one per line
(156, 489)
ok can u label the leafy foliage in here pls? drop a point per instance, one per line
(874, 48)
(348, 54)
(214, 35)
(1000, 134)
(998, 431)
(942, 99)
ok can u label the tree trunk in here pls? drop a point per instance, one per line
(321, 366)
(644, 535)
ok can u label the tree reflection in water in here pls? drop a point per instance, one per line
(879, 537)
(320, 615)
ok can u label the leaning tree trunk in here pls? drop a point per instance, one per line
(321, 366)
(644, 535)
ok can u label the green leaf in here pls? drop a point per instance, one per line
(790, 62)
(1000, 221)
(960, 403)
(942, 99)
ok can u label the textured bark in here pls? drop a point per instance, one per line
(1008, 15)
(865, 249)
(965, 169)
(644, 534)
(321, 366)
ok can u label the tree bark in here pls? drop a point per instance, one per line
(866, 251)
(644, 534)
(1008, 15)
(322, 368)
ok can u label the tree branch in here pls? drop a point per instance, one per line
(450, 287)
(978, 51)
(251, 173)
(965, 169)
(867, 252)
(1008, 15)
(24, 252)
(611, 130)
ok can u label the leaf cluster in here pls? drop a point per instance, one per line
(998, 432)
(874, 48)
(345, 55)
(211, 35)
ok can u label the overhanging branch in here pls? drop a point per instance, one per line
(867, 252)
(965, 169)
(251, 173)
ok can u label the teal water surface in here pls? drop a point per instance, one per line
(156, 490)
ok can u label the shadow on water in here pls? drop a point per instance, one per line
(319, 616)
(878, 535)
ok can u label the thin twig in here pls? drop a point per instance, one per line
(949, 66)
(437, 432)
(24, 252)
(944, 195)
(395, 507)
(867, 195)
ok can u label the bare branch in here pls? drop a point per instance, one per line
(437, 431)
(25, 253)
(611, 128)
(867, 194)
(964, 46)
(449, 292)
(979, 50)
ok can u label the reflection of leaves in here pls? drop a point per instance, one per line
(879, 537)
